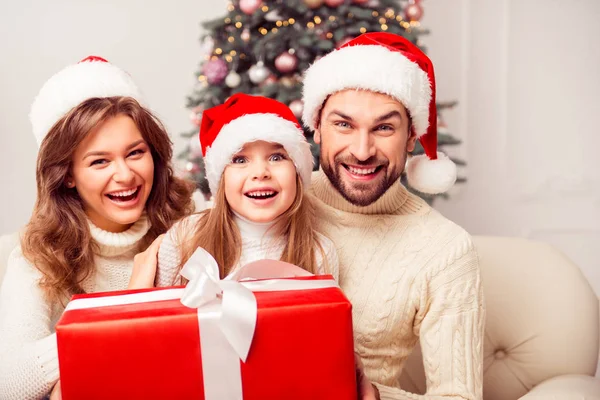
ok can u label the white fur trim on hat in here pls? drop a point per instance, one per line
(251, 128)
(368, 67)
(431, 176)
(73, 85)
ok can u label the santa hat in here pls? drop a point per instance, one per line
(389, 64)
(242, 119)
(91, 77)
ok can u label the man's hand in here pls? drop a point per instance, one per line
(144, 266)
(366, 390)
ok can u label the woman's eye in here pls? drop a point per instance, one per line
(99, 161)
(277, 157)
(136, 152)
(238, 160)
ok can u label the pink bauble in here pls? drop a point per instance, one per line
(297, 106)
(286, 62)
(414, 12)
(215, 71)
(334, 3)
(359, 1)
(249, 6)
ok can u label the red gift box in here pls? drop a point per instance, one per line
(302, 347)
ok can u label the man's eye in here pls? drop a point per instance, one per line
(342, 124)
(385, 128)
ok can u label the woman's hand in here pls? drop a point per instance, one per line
(144, 266)
(366, 390)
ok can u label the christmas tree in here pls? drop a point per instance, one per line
(262, 47)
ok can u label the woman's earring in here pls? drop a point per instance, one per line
(70, 184)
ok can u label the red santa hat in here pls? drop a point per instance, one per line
(91, 77)
(389, 64)
(242, 119)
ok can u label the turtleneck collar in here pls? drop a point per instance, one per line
(253, 230)
(114, 244)
(397, 200)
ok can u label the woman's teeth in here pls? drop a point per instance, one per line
(124, 195)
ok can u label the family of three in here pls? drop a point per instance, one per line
(111, 215)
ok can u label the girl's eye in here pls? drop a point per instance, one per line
(277, 157)
(238, 160)
(99, 161)
(136, 152)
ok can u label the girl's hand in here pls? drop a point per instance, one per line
(55, 394)
(144, 266)
(366, 390)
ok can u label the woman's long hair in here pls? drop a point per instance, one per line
(57, 239)
(217, 233)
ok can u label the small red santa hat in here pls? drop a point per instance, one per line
(91, 77)
(389, 64)
(226, 128)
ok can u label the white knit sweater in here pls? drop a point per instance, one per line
(410, 274)
(258, 243)
(28, 349)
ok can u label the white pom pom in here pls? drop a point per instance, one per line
(431, 176)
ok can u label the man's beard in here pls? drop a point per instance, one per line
(359, 193)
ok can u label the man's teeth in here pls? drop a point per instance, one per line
(124, 193)
(361, 171)
(261, 193)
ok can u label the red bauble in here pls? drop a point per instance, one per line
(286, 62)
(414, 12)
(250, 6)
(334, 3)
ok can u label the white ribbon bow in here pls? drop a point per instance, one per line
(238, 304)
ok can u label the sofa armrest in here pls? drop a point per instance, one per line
(566, 387)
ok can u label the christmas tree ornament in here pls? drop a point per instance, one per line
(413, 11)
(258, 72)
(233, 79)
(297, 106)
(196, 115)
(286, 62)
(359, 1)
(271, 80)
(215, 71)
(192, 167)
(334, 3)
(245, 35)
(313, 3)
(273, 16)
(287, 81)
(250, 6)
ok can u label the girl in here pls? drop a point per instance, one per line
(258, 165)
(106, 190)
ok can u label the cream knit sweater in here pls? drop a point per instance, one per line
(28, 349)
(258, 243)
(410, 274)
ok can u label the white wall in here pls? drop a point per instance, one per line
(155, 41)
(525, 73)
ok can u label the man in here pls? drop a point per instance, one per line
(409, 272)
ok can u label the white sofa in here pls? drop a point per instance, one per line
(542, 330)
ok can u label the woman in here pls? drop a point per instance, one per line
(106, 191)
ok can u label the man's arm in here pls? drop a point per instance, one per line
(450, 324)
